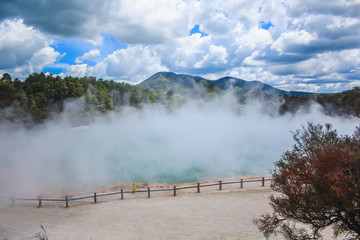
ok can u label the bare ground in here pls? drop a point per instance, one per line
(211, 214)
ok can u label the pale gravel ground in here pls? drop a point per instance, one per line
(212, 214)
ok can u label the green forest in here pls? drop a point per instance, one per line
(43, 96)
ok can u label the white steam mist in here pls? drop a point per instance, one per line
(196, 141)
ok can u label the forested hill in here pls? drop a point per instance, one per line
(346, 103)
(165, 81)
(40, 97)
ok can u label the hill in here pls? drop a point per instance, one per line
(40, 97)
(165, 81)
(346, 103)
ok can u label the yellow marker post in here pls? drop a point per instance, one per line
(133, 188)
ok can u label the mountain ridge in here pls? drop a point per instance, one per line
(165, 81)
(170, 84)
(41, 97)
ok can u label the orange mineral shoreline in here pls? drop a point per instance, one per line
(162, 185)
(128, 185)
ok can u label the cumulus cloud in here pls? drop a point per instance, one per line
(157, 21)
(185, 52)
(62, 18)
(337, 8)
(218, 17)
(301, 33)
(133, 64)
(246, 42)
(88, 56)
(18, 43)
(216, 56)
(295, 38)
(194, 54)
(23, 49)
(129, 21)
(217, 23)
(39, 60)
(330, 70)
(78, 70)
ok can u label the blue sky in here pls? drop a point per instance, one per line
(290, 44)
(71, 48)
(196, 29)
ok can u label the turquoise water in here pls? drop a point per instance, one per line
(123, 170)
(147, 146)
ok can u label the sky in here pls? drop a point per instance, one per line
(302, 45)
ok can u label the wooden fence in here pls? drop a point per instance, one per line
(95, 196)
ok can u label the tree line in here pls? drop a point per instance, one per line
(41, 96)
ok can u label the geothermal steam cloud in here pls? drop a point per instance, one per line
(149, 145)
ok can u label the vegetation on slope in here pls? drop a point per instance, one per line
(40, 97)
(346, 103)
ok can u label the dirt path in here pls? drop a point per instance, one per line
(212, 214)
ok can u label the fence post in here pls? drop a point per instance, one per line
(220, 185)
(95, 199)
(148, 192)
(39, 202)
(263, 181)
(12, 201)
(198, 187)
(66, 201)
(241, 183)
(174, 190)
(122, 194)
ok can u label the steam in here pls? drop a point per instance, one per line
(198, 140)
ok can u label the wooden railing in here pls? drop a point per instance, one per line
(95, 196)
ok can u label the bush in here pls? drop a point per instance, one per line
(319, 182)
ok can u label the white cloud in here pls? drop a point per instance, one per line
(246, 42)
(323, 64)
(336, 8)
(18, 43)
(311, 39)
(275, 12)
(218, 17)
(23, 50)
(78, 70)
(217, 23)
(129, 21)
(306, 87)
(133, 64)
(88, 56)
(39, 60)
(216, 56)
(136, 21)
(43, 57)
(338, 23)
(288, 39)
(185, 52)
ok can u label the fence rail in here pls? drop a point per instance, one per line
(96, 195)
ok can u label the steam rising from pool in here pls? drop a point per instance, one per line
(196, 141)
